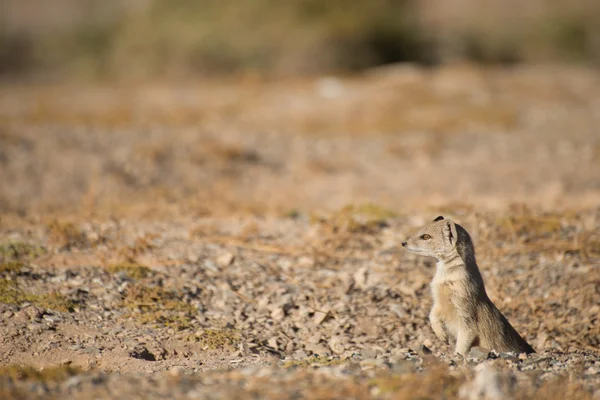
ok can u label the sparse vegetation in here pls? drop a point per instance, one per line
(11, 293)
(530, 225)
(67, 235)
(11, 267)
(19, 251)
(157, 306)
(365, 218)
(132, 270)
(141, 245)
(217, 339)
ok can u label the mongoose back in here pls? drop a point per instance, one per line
(462, 311)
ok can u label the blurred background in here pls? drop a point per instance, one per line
(276, 106)
(150, 39)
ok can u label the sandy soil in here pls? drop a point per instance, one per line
(240, 239)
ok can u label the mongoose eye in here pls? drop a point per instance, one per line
(426, 237)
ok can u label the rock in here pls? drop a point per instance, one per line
(337, 344)
(29, 313)
(210, 266)
(398, 310)
(142, 353)
(361, 277)
(52, 318)
(306, 262)
(36, 327)
(225, 260)
(321, 316)
(273, 342)
(91, 350)
(318, 349)
(278, 314)
(368, 353)
(289, 347)
(541, 340)
(315, 338)
(594, 370)
(299, 355)
(478, 353)
(424, 350)
(536, 359)
(509, 356)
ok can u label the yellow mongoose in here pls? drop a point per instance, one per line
(462, 310)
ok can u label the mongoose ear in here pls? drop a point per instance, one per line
(438, 219)
(450, 234)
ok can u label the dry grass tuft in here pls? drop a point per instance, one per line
(364, 218)
(10, 293)
(67, 235)
(18, 251)
(141, 245)
(159, 307)
(530, 226)
(230, 153)
(132, 270)
(217, 339)
(11, 267)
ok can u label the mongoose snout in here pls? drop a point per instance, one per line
(462, 311)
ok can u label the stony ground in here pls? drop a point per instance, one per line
(240, 239)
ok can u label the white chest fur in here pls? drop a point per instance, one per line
(442, 290)
(440, 273)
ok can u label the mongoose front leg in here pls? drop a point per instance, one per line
(464, 341)
(437, 326)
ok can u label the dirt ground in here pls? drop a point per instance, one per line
(240, 239)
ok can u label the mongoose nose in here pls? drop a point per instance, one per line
(404, 244)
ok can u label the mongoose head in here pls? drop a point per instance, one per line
(441, 239)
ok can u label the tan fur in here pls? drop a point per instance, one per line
(462, 312)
